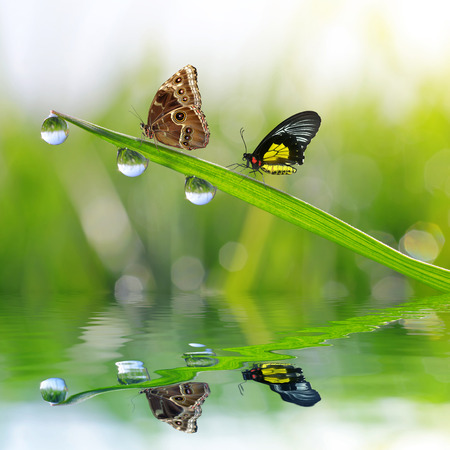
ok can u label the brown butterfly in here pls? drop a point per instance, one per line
(178, 404)
(175, 117)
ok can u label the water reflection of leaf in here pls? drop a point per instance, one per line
(305, 338)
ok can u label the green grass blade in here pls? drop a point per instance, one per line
(277, 203)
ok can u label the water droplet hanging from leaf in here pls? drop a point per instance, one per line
(199, 191)
(131, 163)
(54, 130)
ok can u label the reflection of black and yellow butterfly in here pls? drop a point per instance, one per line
(178, 404)
(285, 145)
(286, 380)
(273, 373)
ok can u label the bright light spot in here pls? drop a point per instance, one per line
(187, 273)
(105, 221)
(314, 190)
(391, 288)
(334, 289)
(423, 241)
(437, 172)
(128, 289)
(233, 256)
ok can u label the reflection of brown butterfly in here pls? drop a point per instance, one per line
(175, 117)
(178, 404)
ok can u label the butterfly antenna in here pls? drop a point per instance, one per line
(236, 165)
(132, 400)
(135, 113)
(243, 140)
(241, 388)
(141, 121)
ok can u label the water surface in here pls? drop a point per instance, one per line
(382, 374)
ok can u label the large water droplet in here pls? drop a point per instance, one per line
(53, 390)
(131, 163)
(199, 191)
(54, 130)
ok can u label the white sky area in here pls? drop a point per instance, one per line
(73, 55)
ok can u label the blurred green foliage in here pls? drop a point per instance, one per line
(72, 222)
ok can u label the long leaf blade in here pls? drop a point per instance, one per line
(278, 203)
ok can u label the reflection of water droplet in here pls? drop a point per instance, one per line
(199, 191)
(54, 130)
(130, 372)
(200, 359)
(53, 390)
(131, 163)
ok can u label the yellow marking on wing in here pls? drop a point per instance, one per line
(267, 371)
(275, 380)
(275, 375)
(276, 152)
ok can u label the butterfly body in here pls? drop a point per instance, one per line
(175, 117)
(285, 145)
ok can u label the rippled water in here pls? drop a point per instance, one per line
(384, 385)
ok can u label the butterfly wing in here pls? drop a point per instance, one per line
(184, 127)
(175, 117)
(285, 145)
(178, 404)
(302, 127)
(180, 89)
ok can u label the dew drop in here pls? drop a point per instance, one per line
(131, 163)
(53, 390)
(199, 191)
(54, 130)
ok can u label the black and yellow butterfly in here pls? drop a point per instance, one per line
(285, 145)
